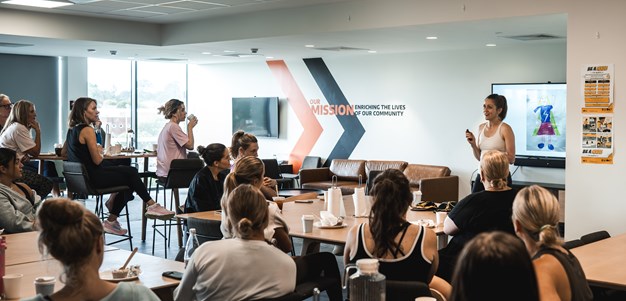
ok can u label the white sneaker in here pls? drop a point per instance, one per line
(157, 211)
(113, 228)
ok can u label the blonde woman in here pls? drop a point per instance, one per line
(479, 212)
(559, 274)
(245, 144)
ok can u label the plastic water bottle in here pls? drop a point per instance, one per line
(367, 284)
(192, 244)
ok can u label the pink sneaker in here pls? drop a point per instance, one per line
(157, 211)
(113, 228)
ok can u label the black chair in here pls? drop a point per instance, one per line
(369, 184)
(78, 182)
(206, 230)
(309, 162)
(594, 236)
(573, 244)
(406, 290)
(272, 171)
(180, 175)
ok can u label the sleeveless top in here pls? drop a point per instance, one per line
(575, 274)
(494, 142)
(77, 152)
(410, 267)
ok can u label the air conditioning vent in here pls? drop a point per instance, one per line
(533, 37)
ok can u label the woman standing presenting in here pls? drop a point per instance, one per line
(494, 134)
(173, 143)
(82, 147)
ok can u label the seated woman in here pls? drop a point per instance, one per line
(494, 266)
(535, 218)
(245, 144)
(82, 147)
(206, 188)
(406, 252)
(17, 212)
(74, 236)
(16, 136)
(244, 268)
(250, 170)
(483, 211)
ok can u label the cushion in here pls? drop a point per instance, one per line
(416, 172)
(384, 165)
(348, 170)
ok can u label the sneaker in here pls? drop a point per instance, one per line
(113, 228)
(157, 211)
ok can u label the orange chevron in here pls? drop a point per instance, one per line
(312, 129)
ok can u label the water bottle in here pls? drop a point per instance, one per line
(367, 284)
(192, 244)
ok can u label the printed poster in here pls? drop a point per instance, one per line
(598, 88)
(597, 139)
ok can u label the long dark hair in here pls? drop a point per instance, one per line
(392, 197)
(77, 115)
(6, 156)
(500, 102)
(211, 153)
(494, 266)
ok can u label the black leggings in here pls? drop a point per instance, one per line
(110, 176)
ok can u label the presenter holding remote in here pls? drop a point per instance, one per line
(494, 134)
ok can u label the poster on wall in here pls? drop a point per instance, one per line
(598, 88)
(597, 139)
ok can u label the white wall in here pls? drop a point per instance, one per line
(443, 93)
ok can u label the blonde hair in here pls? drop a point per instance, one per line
(19, 113)
(537, 211)
(495, 168)
(241, 140)
(70, 233)
(248, 211)
(170, 108)
(248, 170)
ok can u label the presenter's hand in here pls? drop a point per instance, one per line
(470, 137)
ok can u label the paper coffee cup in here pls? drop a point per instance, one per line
(417, 197)
(12, 284)
(441, 216)
(155, 147)
(307, 223)
(45, 285)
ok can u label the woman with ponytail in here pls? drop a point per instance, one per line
(559, 274)
(74, 236)
(207, 186)
(479, 212)
(250, 170)
(406, 252)
(246, 267)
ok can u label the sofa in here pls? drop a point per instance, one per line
(435, 182)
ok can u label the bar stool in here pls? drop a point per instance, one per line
(179, 176)
(77, 181)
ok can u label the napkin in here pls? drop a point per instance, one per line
(361, 204)
(328, 219)
(335, 202)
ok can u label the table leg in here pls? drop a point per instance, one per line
(179, 230)
(41, 161)
(144, 220)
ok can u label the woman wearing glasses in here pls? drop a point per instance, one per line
(5, 109)
(16, 135)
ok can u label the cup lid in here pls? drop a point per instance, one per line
(44, 279)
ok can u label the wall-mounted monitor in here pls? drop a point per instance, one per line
(256, 115)
(537, 114)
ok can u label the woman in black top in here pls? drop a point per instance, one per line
(479, 212)
(559, 274)
(82, 147)
(206, 188)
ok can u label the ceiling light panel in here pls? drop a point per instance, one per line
(38, 3)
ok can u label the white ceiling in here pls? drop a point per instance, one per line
(465, 35)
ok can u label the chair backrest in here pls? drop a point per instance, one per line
(206, 230)
(311, 162)
(182, 172)
(573, 244)
(595, 236)
(406, 290)
(271, 168)
(76, 178)
(370, 180)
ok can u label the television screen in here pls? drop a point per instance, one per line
(536, 112)
(256, 115)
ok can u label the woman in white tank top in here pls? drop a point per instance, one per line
(494, 134)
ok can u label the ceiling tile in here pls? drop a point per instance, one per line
(164, 9)
(195, 5)
(231, 2)
(135, 13)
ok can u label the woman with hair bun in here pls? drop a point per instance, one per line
(206, 188)
(250, 170)
(173, 143)
(479, 212)
(406, 252)
(17, 200)
(494, 134)
(559, 274)
(75, 237)
(246, 267)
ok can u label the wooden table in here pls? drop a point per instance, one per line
(292, 213)
(603, 262)
(146, 158)
(152, 267)
(23, 248)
